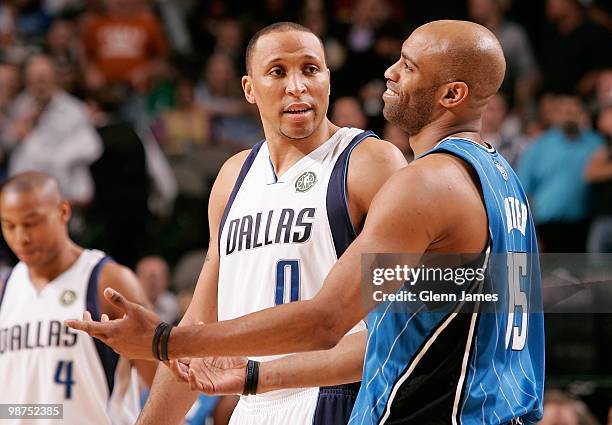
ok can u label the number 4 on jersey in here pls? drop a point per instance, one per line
(63, 376)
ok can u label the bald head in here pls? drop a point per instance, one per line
(44, 185)
(463, 51)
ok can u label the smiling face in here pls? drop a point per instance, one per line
(289, 81)
(411, 87)
(33, 225)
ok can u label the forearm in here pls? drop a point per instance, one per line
(340, 365)
(289, 328)
(147, 370)
(168, 400)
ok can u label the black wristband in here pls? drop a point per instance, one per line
(252, 377)
(155, 345)
(165, 336)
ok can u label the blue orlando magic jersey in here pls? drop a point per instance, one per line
(483, 366)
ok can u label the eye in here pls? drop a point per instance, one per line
(277, 71)
(408, 67)
(311, 69)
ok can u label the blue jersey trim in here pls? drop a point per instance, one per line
(8, 276)
(108, 357)
(340, 223)
(243, 172)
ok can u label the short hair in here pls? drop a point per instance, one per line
(276, 27)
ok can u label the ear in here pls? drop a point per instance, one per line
(65, 211)
(247, 88)
(454, 94)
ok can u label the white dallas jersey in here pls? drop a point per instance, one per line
(280, 236)
(43, 361)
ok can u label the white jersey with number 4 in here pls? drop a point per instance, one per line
(43, 361)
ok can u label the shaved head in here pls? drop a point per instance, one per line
(464, 51)
(447, 73)
(34, 218)
(46, 186)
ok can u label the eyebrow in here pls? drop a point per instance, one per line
(281, 58)
(408, 58)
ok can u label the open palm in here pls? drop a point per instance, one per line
(218, 375)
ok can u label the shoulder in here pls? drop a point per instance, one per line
(228, 174)
(122, 279)
(378, 150)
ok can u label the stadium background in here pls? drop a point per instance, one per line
(151, 101)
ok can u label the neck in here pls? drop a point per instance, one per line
(65, 258)
(434, 132)
(284, 152)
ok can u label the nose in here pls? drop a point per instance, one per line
(295, 84)
(391, 72)
(22, 236)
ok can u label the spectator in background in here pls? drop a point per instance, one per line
(573, 48)
(347, 112)
(551, 170)
(603, 93)
(599, 173)
(62, 48)
(154, 277)
(521, 68)
(9, 87)
(125, 45)
(235, 122)
(561, 409)
(49, 131)
(502, 130)
(122, 183)
(363, 73)
(229, 41)
(184, 126)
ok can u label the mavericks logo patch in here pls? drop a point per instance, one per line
(305, 181)
(68, 297)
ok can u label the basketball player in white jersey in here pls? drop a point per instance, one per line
(41, 360)
(280, 215)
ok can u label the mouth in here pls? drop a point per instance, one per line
(390, 93)
(297, 109)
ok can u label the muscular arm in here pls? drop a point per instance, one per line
(170, 400)
(340, 365)
(123, 279)
(417, 207)
(370, 166)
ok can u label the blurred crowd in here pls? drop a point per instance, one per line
(134, 105)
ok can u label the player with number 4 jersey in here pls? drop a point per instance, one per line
(41, 360)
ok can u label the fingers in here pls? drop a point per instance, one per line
(95, 329)
(117, 299)
(178, 371)
(193, 382)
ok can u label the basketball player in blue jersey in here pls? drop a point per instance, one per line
(281, 214)
(459, 196)
(41, 360)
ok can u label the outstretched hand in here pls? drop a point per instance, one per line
(131, 336)
(211, 375)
